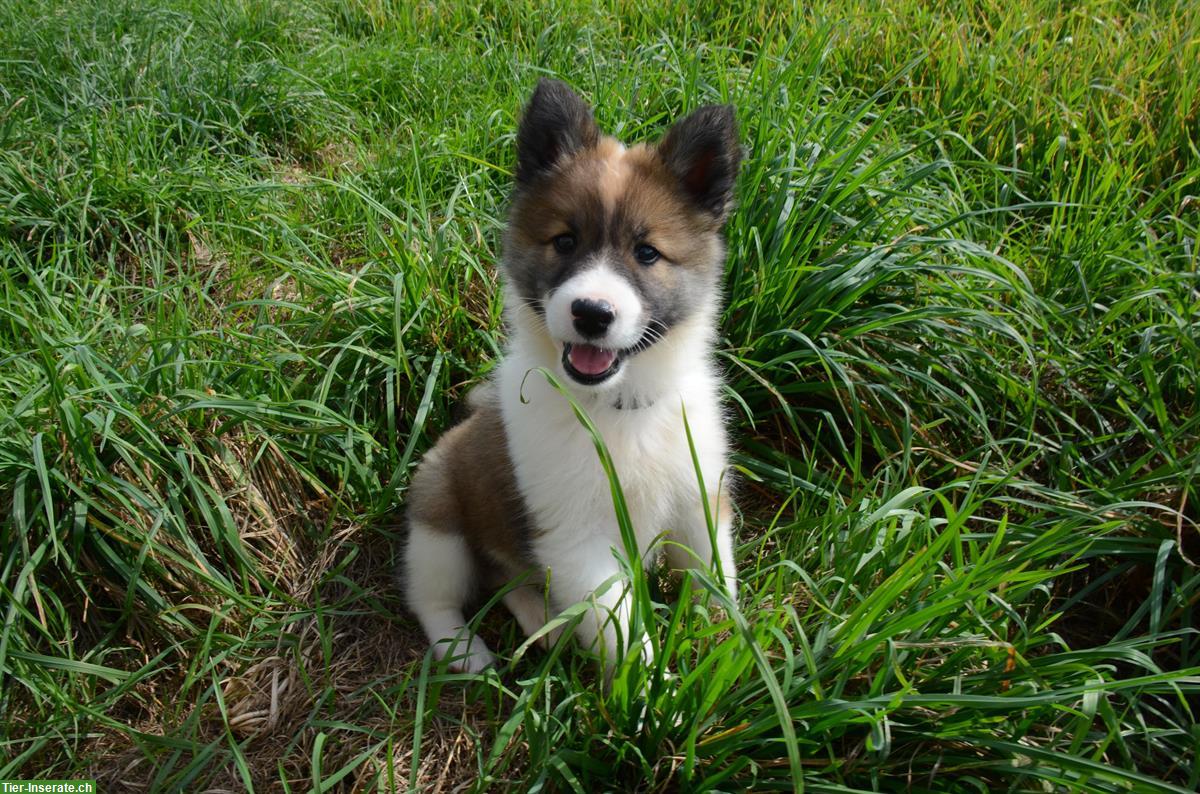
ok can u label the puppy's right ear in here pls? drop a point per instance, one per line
(702, 151)
(556, 123)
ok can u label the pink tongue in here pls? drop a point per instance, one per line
(591, 360)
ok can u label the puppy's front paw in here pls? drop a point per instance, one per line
(473, 659)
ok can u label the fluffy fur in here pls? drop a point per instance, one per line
(612, 264)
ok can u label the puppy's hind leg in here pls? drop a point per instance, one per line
(439, 576)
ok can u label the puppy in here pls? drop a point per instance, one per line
(612, 264)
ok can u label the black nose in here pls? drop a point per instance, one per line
(592, 317)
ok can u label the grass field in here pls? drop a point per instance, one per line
(248, 269)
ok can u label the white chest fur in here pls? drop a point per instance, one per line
(559, 471)
(569, 497)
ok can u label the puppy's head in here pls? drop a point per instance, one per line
(614, 248)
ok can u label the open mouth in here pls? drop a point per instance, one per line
(589, 364)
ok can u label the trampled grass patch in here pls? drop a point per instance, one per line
(248, 258)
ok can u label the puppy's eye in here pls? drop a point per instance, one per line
(646, 254)
(564, 243)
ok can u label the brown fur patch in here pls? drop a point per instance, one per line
(466, 485)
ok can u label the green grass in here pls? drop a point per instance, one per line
(248, 269)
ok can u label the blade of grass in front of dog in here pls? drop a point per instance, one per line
(642, 610)
(710, 521)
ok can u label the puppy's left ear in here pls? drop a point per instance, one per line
(702, 152)
(556, 123)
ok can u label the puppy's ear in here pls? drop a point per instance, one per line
(702, 151)
(556, 123)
